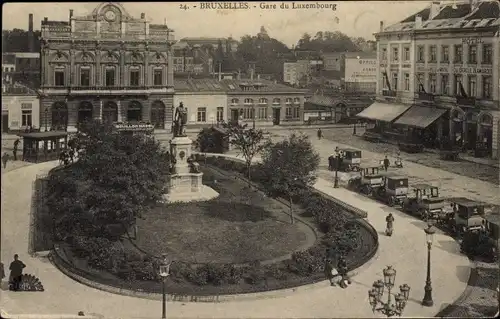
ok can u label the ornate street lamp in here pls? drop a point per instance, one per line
(429, 234)
(389, 309)
(164, 272)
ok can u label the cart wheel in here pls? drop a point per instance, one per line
(390, 202)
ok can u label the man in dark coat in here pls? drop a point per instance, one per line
(5, 159)
(386, 163)
(16, 272)
(320, 134)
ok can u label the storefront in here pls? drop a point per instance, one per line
(20, 112)
(383, 114)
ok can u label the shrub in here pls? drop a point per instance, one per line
(180, 271)
(144, 270)
(254, 274)
(126, 272)
(277, 271)
(304, 264)
(199, 276)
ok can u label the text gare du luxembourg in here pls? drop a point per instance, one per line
(265, 5)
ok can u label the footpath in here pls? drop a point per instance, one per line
(406, 251)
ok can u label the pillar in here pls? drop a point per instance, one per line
(71, 68)
(146, 80)
(170, 68)
(119, 109)
(97, 76)
(440, 128)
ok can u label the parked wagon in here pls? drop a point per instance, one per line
(426, 203)
(349, 160)
(395, 190)
(468, 215)
(368, 181)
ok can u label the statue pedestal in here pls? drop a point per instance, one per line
(184, 185)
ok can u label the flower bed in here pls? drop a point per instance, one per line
(114, 265)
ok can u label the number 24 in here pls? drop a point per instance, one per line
(183, 7)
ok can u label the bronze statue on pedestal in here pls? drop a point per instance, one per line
(180, 120)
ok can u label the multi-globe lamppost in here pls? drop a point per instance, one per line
(429, 234)
(164, 272)
(375, 295)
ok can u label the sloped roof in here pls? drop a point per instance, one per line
(322, 100)
(453, 16)
(266, 85)
(199, 85)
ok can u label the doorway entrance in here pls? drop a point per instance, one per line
(235, 114)
(276, 116)
(5, 122)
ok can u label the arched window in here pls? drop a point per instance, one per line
(59, 116)
(234, 102)
(296, 100)
(486, 120)
(276, 101)
(134, 112)
(288, 101)
(263, 101)
(110, 112)
(248, 101)
(85, 112)
(158, 114)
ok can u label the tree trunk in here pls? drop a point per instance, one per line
(249, 165)
(291, 209)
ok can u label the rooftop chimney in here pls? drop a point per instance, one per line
(381, 26)
(31, 38)
(418, 21)
(70, 14)
(45, 19)
(435, 8)
(143, 16)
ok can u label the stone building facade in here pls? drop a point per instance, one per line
(107, 65)
(442, 66)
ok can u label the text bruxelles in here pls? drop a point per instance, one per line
(224, 5)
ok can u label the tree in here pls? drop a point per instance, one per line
(115, 178)
(249, 141)
(290, 167)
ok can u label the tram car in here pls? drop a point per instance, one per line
(350, 160)
(368, 181)
(395, 190)
(426, 203)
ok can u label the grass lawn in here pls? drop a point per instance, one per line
(239, 226)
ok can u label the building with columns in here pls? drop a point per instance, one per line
(438, 76)
(107, 65)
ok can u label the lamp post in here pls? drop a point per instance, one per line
(337, 164)
(429, 234)
(164, 272)
(389, 309)
(46, 112)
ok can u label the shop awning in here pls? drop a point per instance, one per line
(383, 111)
(420, 116)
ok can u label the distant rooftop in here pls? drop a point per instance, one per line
(230, 85)
(453, 16)
(17, 89)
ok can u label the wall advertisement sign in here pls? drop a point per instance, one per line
(361, 70)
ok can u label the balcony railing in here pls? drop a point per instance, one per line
(78, 90)
(425, 96)
(389, 93)
(470, 101)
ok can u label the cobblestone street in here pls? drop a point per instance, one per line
(464, 168)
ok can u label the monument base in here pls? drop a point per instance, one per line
(187, 187)
(205, 193)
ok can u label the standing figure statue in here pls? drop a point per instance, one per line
(180, 120)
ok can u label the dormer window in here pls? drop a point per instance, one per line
(234, 102)
(288, 101)
(263, 101)
(248, 101)
(276, 101)
(296, 100)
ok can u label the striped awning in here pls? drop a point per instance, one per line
(385, 112)
(420, 116)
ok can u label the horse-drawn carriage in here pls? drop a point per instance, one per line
(425, 203)
(394, 191)
(368, 181)
(347, 160)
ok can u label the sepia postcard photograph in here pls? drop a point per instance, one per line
(246, 159)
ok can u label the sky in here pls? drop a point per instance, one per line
(354, 18)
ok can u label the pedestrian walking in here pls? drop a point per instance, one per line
(386, 163)
(2, 271)
(5, 159)
(16, 273)
(342, 269)
(330, 272)
(320, 134)
(390, 224)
